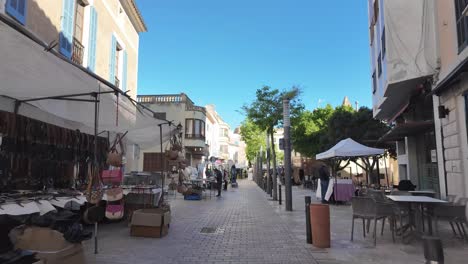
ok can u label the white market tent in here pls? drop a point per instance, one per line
(52, 84)
(349, 148)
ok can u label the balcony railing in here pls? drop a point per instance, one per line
(77, 54)
(117, 82)
(151, 99)
(194, 136)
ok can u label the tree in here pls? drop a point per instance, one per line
(254, 138)
(266, 111)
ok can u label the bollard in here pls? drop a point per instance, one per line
(308, 226)
(280, 195)
(433, 250)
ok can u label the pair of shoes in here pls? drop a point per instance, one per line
(218, 195)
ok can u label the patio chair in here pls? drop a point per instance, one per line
(454, 213)
(367, 208)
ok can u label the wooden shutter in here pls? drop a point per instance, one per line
(124, 72)
(17, 9)
(66, 35)
(112, 61)
(92, 39)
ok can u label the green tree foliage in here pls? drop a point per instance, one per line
(254, 137)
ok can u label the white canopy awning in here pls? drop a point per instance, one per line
(31, 72)
(349, 148)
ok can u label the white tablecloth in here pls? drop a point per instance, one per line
(42, 207)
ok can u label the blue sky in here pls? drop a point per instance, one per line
(219, 52)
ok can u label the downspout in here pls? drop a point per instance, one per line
(443, 151)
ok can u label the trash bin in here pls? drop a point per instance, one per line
(320, 222)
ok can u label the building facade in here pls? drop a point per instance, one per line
(403, 52)
(179, 109)
(451, 96)
(219, 134)
(100, 35)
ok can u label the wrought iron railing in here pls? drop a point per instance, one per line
(151, 99)
(77, 54)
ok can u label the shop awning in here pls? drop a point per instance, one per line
(400, 131)
(31, 72)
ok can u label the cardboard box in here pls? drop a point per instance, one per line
(149, 231)
(151, 217)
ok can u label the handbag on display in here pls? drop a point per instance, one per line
(114, 194)
(114, 157)
(112, 176)
(94, 190)
(115, 211)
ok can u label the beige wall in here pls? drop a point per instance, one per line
(44, 20)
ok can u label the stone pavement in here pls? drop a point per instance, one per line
(362, 250)
(251, 228)
(248, 231)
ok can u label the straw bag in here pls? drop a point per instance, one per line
(114, 194)
(114, 157)
(94, 190)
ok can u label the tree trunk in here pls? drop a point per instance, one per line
(273, 155)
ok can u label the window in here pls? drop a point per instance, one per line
(223, 132)
(374, 83)
(160, 115)
(223, 149)
(379, 64)
(462, 30)
(77, 52)
(384, 46)
(195, 129)
(17, 9)
(118, 64)
(66, 33)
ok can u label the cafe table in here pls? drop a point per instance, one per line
(423, 202)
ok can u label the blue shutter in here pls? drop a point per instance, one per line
(112, 60)
(17, 9)
(66, 35)
(124, 72)
(92, 39)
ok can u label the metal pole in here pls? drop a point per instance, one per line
(96, 124)
(386, 172)
(280, 195)
(287, 154)
(162, 161)
(268, 164)
(308, 226)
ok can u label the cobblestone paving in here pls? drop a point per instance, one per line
(249, 230)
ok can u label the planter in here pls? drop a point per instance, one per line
(320, 222)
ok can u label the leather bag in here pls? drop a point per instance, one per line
(114, 194)
(115, 211)
(112, 176)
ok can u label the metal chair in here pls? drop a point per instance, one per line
(454, 213)
(369, 209)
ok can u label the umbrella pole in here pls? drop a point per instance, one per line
(386, 172)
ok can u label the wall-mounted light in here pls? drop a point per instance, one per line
(443, 111)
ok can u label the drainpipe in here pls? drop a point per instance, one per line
(443, 151)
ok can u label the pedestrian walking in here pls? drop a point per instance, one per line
(219, 180)
(226, 179)
(324, 175)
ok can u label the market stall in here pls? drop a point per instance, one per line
(344, 150)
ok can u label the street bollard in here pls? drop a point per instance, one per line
(308, 227)
(433, 250)
(280, 195)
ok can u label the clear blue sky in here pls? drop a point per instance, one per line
(220, 51)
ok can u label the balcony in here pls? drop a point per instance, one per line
(194, 136)
(153, 99)
(77, 54)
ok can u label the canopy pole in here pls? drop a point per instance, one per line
(386, 172)
(96, 123)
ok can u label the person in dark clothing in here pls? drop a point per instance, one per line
(324, 180)
(219, 180)
(226, 179)
(301, 175)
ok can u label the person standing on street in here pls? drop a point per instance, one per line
(226, 179)
(219, 180)
(324, 180)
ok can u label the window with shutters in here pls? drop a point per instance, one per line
(66, 33)
(78, 48)
(17, 10)
(194, 129)
(462, 24)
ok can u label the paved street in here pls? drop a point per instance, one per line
(249, 231)
(253, 229)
